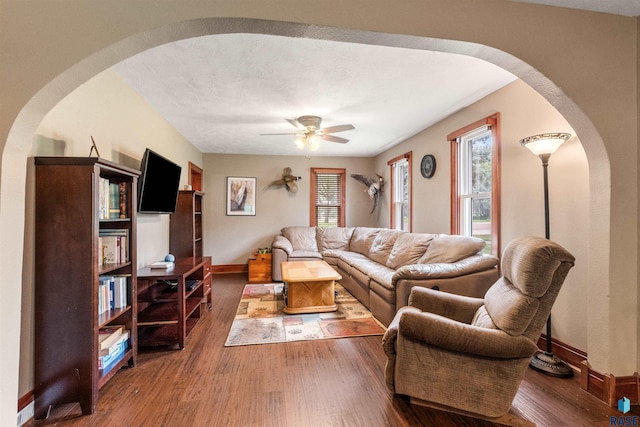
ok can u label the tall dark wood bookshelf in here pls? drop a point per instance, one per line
(185, 236)
(69, 265)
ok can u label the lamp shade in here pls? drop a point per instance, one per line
(544, 144)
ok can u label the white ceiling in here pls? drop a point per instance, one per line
(223, 91)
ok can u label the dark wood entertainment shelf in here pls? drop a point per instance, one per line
(167, 313)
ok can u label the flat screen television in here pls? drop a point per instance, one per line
(158, 184)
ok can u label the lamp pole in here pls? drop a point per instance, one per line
(543, 146)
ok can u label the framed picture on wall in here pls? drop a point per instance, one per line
(241, 196)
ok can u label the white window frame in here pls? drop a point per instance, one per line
(461, 199)
(400, 217)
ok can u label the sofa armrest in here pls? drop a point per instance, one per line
(469, 265)
(450, 335)
(281, 242)
(457, 307)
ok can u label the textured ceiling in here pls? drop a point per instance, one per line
(222, 91)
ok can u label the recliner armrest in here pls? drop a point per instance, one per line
(450, 335)
(457, 307)
(391, 334)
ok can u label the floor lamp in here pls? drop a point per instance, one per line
(543, 146)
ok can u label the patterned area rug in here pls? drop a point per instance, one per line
(260, 320)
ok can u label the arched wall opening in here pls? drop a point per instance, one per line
(15, 153)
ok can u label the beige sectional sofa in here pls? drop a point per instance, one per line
(379, 266)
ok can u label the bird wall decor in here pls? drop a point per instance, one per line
(374, 187)
(288, 180)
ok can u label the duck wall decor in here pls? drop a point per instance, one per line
(288, 180)
(374, 187)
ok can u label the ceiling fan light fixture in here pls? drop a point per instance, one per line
(314, 142)
(310, 133)
(300, 142)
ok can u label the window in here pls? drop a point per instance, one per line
(401, 192)
(475, 182)
(327, 197)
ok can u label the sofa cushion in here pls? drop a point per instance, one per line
(451, 248)
(382, 245)
(362, 239)
(510, 309)
(408, 249)
(302, 238)
(297, 255)
(383, 276)
(333, 238)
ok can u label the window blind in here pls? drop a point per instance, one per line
(328, 199)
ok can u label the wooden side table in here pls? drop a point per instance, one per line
(260, 268)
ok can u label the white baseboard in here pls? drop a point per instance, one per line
(26, 414)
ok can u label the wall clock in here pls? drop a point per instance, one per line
(428, 166)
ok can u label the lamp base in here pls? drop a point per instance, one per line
(548, 364)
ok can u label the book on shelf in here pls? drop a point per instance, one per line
(112, 199)
(124, 336)
(114, 246)
(108, 335)
(103, 199)
(113, 292)
(108, 361)
(161, 264)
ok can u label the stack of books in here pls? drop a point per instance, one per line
(114, 247)
(112, 200)
(112, 293)
(114, 342)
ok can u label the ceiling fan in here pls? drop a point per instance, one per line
(309, 131)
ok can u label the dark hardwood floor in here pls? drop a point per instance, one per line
(337, 382)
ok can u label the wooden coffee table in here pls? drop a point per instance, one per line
(309, 287)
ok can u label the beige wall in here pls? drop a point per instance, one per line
(585, 64)
(523, 112)
(231, 239)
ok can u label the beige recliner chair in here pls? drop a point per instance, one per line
(469, 355)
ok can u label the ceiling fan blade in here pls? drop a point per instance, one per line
(334, 139)
(339, 128)
(297, 124)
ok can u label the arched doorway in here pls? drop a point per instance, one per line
(16, 151)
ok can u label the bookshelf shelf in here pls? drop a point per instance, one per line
(112, 315)
(114, 267)
(79, 201)
(104, 378)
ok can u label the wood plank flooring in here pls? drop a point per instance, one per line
(337, 382)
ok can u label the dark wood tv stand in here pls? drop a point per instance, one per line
(170, 300)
